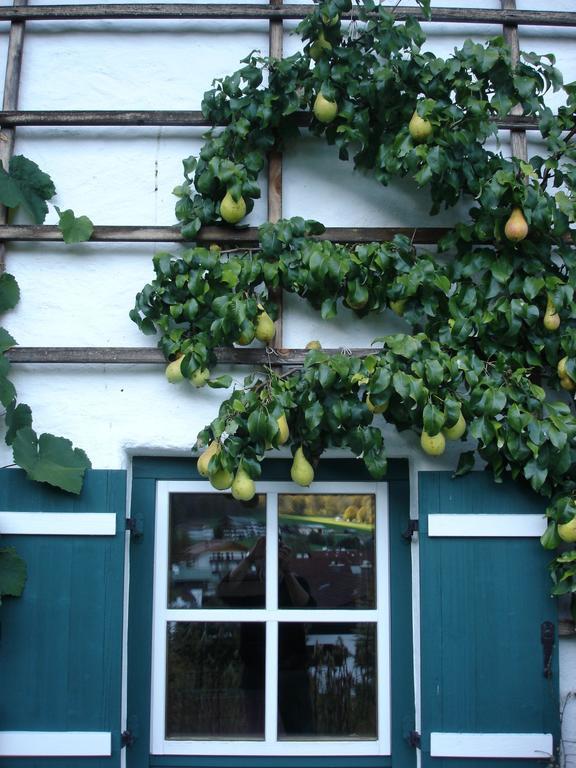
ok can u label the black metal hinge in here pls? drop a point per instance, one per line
(412, 528)
(127, 739)
(135, 525)
(547, 638)
(414, 739)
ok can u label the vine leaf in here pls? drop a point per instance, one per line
(75, 229)
(9, 292)
(6, 340)
(50, 459)
(13, 572)
(17, 417)
(25, 184)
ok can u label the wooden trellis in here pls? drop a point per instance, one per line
(275, 12)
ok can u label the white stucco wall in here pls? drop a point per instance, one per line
(81, 295)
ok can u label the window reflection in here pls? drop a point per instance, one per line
(327, 681)
(210, 535)
(215, 680)
(331, 546)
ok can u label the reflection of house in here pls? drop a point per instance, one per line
(338, 578)
(237, 527)
(205, 565)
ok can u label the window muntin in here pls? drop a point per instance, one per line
(333, 636)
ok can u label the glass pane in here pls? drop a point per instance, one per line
(326, 549)
(215, 680)
(327, 681)
(210, 536)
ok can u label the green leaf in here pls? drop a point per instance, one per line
(6, 340)
(74, 229)
(221, 382)
(17, 417)
(433, 419)
(9, 292)
(50, 459)
(13, 572)
(25, 184)
(465, 464)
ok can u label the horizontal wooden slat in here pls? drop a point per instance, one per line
(486, 525)
(188, 118)
(147, 355)
(242, 237)
(227, 11)
(58, 523)
(55, 744)
(537, 746)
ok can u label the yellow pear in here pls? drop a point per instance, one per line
(221, 479)
(265, 328)
(375, 408)
(567, 531)
(284, 431)
(301, 471)
(567, 383)
(434, 445)
(561, 367)
(205, 456)
(419, 128)
(551, 317)
(516, 228)
(456, 431)
(232, 210)
(324, 110)
(243, 488)
(314, 344)
(174, 371)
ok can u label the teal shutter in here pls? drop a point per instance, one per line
(484, 605)
(61, 642)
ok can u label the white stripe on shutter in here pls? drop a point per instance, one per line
(511, 745)
(516, 526)
(58, 523)
(55, 744)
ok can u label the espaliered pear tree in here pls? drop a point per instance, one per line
(489, 352)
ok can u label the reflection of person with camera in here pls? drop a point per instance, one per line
(245, 586)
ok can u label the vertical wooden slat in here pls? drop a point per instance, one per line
(276, 49)
(519, 144)
(10, 102)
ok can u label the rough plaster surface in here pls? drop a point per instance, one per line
(81, 295)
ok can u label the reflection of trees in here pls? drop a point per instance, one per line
(357, 508)
(344, 686)
(203, 685)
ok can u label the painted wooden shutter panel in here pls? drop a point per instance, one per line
(483, 601)
(61, 642)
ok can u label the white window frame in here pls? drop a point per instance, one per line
(380, 615)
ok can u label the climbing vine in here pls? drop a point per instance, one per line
(490, 348)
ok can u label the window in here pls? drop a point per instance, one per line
(271, 621)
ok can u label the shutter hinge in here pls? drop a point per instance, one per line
(547, 637)
(414, 739)
(127, 739)
(135, 525)
(411, 529)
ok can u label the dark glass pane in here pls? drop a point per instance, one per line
(327, 686)
(215, 680)
(327, 549)
(209, 537)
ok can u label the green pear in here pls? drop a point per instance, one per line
(174, 371)
(221, 479)
(375, 408)
(205, 456)
(419, 128)
(284, 431)
(265, 328)
(314, 344)
(232, 210)
(567, 531)
(433, 445)
(516, 228)
(319, 46)
(456, 431)
(397, 306)
(200, 377)
(243, 488)
(551, 317)
(301, 471)
(324, 110)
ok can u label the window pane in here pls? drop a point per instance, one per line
(215, 680)
(327, 546)
(210, 536)
(327, 681)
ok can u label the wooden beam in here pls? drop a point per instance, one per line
(241, 237)
(169, 118)
(518, 141)
(147, 356)
(227, 11)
